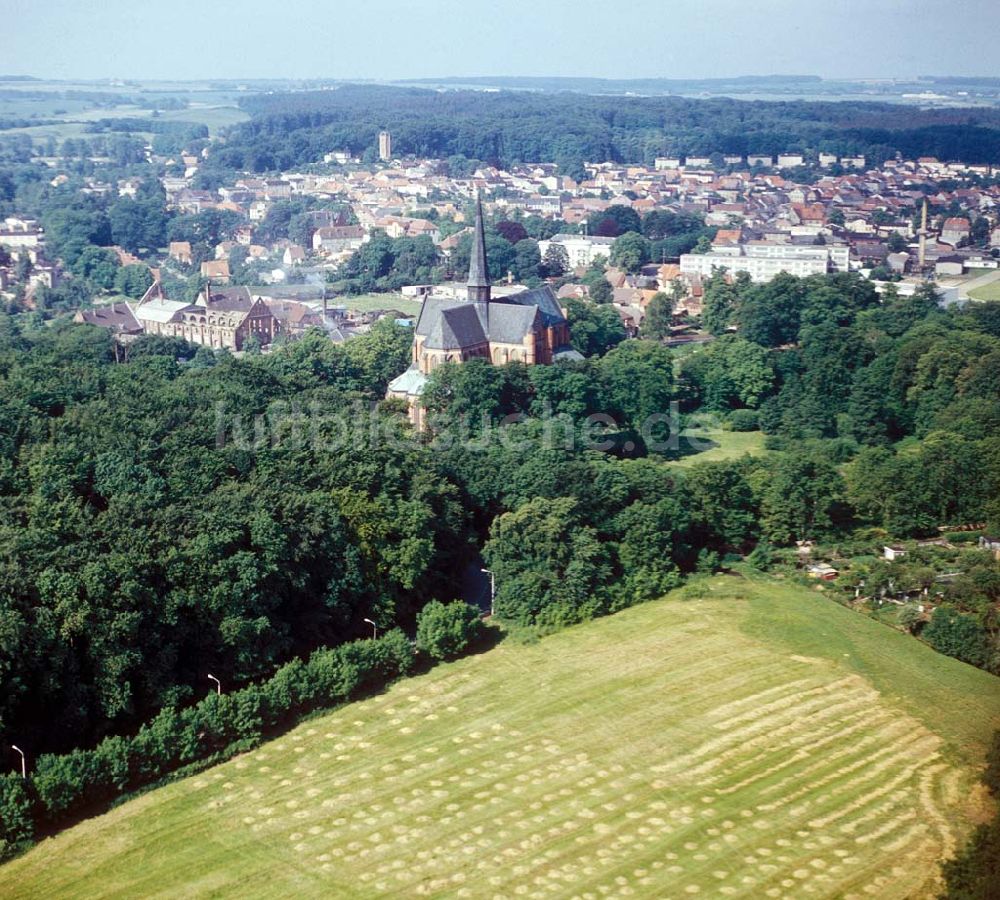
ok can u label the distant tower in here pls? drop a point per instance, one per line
(384, 146)
(478, 285)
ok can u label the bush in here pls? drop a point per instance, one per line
(16, 825)
(761, 557)
(446, 631)
(957, 634)
(744, 420)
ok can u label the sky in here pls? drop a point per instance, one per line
(395, 39)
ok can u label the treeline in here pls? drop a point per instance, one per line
(64, 788)
(504, 128)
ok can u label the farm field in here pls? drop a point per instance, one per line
(742, 737)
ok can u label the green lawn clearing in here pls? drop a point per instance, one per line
(714, 445)
(377, 302)
(743, 737)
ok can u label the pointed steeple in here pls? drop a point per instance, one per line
(478, 285)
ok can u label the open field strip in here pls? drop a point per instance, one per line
(757, 742)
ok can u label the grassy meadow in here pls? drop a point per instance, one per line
(742, 737)
(703, 444)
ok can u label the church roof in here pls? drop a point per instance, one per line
(456, 324)
(544, 299)
(455, 327)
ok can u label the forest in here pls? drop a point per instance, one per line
(173, 512)
(508, 127)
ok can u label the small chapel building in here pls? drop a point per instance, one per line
(527, 327)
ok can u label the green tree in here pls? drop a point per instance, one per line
(728, 374)
(720, 301)
(527, 260)
(556, 261)
(956, 634)
(446, 631)
(593, 329)
(99, 265)
(802, 498)
(659, 316)
(630, 252)
(600, 291)
(613, 221)
(133, 281)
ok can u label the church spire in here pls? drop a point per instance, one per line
(478, 285)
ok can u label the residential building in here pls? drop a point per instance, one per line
(954, 231)
(384, 146)
(760, 266)
(581, 249)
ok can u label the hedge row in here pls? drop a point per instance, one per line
(64, 788)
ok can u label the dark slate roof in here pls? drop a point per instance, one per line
(509, 323)
(542, 297)
(456, 327)
(116, 316)
(230, 299)
(455, 324)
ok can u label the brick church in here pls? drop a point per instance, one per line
(527, 327)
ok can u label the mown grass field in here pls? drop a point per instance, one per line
(376, 302)
(989, 291)
(751, 740)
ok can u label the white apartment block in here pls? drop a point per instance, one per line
(838, 255)
(760, 263)
(581, 249)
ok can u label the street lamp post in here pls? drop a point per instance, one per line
(24, 762)
(374, 628)
(218, 684)
(493, 587)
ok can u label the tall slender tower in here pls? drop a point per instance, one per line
(384, 146)
(478, 285)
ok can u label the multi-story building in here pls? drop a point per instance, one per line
(581, 249)
(761, 263)
(219, 318)
(384, 146)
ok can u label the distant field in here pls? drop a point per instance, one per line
(715, 445)
(753, 740)
(216, 109)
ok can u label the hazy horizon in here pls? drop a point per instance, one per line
(398, 39)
